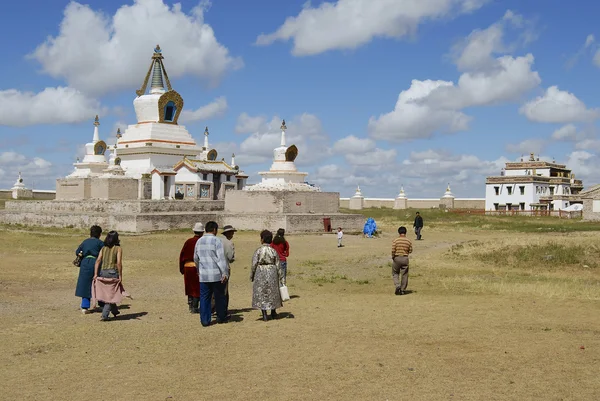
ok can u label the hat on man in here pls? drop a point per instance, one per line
(228, 228)
(198, 228)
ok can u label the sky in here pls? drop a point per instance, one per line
(376, 93)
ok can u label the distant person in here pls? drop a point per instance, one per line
(267, 277)
(229, 250)
(340, 235)
(88, 251)
(188, 268)
(213, 273)
(108, 275)
(418, 225)
(401, 248)
(283, 251)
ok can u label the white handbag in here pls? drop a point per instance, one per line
(285, 295)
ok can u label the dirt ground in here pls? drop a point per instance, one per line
(468, 330)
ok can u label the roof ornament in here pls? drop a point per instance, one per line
(119, 135)
(157, 68)
(283, 128)
(96, 121)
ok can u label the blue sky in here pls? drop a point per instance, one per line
(484, 81)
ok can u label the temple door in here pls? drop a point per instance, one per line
(216, 185)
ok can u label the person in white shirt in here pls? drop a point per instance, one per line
(340, 235)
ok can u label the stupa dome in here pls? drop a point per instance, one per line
(160, 105)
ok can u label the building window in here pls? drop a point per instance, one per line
(509, 190)
(522, 205)
(239, 184)
(522, 189)
(495, 206)
(497, 189)
(205, 177)
(170, 110)
(551, 190)
(509, 206)
(228, 178)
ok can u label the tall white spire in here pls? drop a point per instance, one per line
(283, 128)
(233, 160)
(96, 134)
(206, 138)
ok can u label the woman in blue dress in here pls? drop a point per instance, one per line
(89, 249)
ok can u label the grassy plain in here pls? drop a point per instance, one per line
(500, 309)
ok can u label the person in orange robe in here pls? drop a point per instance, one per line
(188, 268)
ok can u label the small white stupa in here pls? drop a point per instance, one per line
(357, 202)
(94, 161)
(401, 200)
(114, 162)
(448, 194)
(19, 190)
(283, 175)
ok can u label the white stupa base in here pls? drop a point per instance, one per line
(85, 170)
(283, 181)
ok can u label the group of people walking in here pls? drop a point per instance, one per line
(100, 272)
(205, 262)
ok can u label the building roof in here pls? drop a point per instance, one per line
(209, 166)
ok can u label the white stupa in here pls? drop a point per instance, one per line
(156, 141)
(283, 175)
(448, 194)
(94, 162)
(19, 190)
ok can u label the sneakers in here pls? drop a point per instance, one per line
(399, 291)
(86, 311)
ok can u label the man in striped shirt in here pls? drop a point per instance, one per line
(401, 248)
(213, 272)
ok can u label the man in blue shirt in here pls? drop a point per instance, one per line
(213, 272)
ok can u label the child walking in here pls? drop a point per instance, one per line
(340, 235)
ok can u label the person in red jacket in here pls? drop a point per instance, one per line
(188, 268)
(283, 249)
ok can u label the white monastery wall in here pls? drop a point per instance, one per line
(459, 203)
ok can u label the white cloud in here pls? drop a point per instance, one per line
(589, 40)
(557, 106)
(565, 133)
(215, 109)
(414, 118)
(585, 165)
(51, 106)
(353, 145)
(597, 58)
(375, 159)
(36, 171)
(247, 124)
(305, 131)
(585, 48)
(98, 53)
(348, 24)
(527, 146)
(588, 144)
(432, 106)
(510, 79)
(476, 50)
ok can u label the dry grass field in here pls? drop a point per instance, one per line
(499, 309)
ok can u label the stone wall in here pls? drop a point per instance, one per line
(281, 202)
(459, 203)
(36, 194)
(111, 207)
(114, 188)
(73, 188)
(588, 210)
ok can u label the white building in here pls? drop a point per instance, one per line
(156, 151)
(532, 184)
(283, 174)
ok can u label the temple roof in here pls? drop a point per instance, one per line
(217, 166)
(157, 68)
